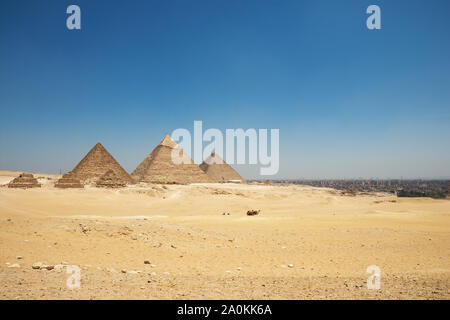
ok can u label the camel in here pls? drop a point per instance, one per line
(253, 212)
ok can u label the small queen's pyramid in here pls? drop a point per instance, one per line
(24, 180)
(220, 171)
(68, 181)
(96, 163)
(159, 167)
(111, 180)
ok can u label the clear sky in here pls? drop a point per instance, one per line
(349, 102)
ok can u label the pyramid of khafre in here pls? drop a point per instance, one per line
(24, 180)
(111, 180)
(96, 163)
(220, 171)
(158, 167)
(68, 180)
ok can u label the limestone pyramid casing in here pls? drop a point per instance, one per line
(96, 163)
(158, 166)
(220, 171)
(24, 180)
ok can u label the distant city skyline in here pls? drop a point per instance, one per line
(349, 102)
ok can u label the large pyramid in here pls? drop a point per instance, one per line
(158, 167)
(220, 171)
(96, 163)
(24, 180)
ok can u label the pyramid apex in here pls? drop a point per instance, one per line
(168, 142)
(98, 145)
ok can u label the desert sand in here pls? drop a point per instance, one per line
(151, 241)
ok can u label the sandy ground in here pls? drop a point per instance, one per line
(307, 243)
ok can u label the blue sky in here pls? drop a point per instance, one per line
(349, 102)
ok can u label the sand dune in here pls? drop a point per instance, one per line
(196, 252)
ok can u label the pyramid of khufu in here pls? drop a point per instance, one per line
(220, 171)
(96, 163)
(68, 180)
(111, 180)
(158, 166)
(24, 180)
